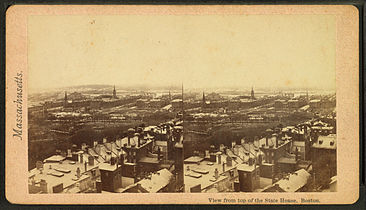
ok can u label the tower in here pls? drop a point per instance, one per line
(65, 99)
(114, 92)
(203, 98)
(252, 94)
(170, 96)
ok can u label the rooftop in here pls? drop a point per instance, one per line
(55, 173)
(287, 160)
(246, 167)
(204, 172)
(158, 181)
(293, 182)
(54, 158)
(272, 142)
(193, 159)
(107, 167)
(326, 142)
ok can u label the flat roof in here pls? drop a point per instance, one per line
(324, 142)
(193, 159)
(246, 167)
(294, 181)
(151, 160)
(287, 160)
(206, 178)
(107, 167)
(158, 180)
(52, 175)
(54, 158)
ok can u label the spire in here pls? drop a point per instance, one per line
(65, 99)
(170, 96)
(203, 98)
(252, 94)
(114, 92)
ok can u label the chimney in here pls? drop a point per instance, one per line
(296, 154)
(260, 159)
(73, 148)
(91, 160)
(223, 167)
(267, 140)
(129, 135)
(219, 159)
(207, 153)
(121, 159)
(138, 139)
(69, 153)
(229, 161)
(158, 153)
(212, 148)
(250, 161)
(85, 166)
(78, 172)
(81, 158)
(216, 173)
(276, 139)
(43, 185)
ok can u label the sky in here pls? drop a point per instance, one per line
(264, 51)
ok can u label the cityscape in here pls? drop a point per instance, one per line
(200, 102)
(113, 139)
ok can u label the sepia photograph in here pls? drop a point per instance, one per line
(180, 101)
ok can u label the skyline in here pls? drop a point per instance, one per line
(144, 87)
(264, 51)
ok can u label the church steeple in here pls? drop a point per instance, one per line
(65, 99)
(252, 94)
(203, 98)
(114, 92)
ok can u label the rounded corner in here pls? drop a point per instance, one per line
(354, 199)
(9, 199)
(354, 10)
(11, 10)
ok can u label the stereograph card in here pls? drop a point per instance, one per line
(149, 104)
